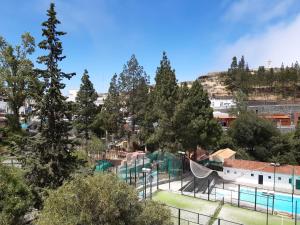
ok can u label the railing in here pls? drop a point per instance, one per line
(184, 217)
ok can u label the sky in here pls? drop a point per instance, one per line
(198, 36)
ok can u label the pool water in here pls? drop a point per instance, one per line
(282, 202)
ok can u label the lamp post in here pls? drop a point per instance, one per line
(145, 172)
(274, 165)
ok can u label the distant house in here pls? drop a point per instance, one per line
(222, 154)
(262, 173)
(222, 103)
(279, 119)
(225, 119)
(72, 94)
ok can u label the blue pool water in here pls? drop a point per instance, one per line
(282, 202)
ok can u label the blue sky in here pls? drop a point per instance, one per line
(198, 36)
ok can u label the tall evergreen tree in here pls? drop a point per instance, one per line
(165, 95)
(195, 125)
(86, 108)
(49, 159)
(133, 86)
(110, 117)
(16, 73)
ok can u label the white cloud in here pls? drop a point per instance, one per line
(254, 11)
(279, 43)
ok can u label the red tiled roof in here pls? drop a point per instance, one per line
(261, 166)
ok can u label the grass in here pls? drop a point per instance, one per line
(227, 212)
(249, 217)
(186, 202)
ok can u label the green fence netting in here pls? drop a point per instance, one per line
(103, 165)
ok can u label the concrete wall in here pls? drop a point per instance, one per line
(251, 177)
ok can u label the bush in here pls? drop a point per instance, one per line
(100, 199)
(15, 196)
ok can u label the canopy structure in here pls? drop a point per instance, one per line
(200, 171)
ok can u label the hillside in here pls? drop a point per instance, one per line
(214, 84)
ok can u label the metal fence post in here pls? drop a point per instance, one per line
(208, 183)
(179, 217)
(135, 173)
(239, 189)
(169, 176)
(219, 221)
(157, 176)
(255, 198)
(296, 213)
(181, 182)
(126, 173)
(273, 204)
(267, 210)
(194, 186)
(292, 205)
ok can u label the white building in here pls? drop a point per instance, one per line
(4, 108)
(73, 94)
(261, 174)
(222, 103)
(101, 98)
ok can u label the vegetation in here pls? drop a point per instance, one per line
(165, 116)
(47, 156)
(16, 74)
(86, 108)
(91, 200)
(281, 82)
(15, 196)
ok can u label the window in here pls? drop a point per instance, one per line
(290, 180)
(228, 171)
(279, 178)
(269, 177)
(234, 172)
(252, 175)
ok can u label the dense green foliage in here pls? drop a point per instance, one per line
(86, 108)
(283, 82)
(15, 196)
(165, 94)
(195, 125)
(178, 118)
(110, 117)
(91, 201)
(16, 74)
(48, 155)
(257, 138)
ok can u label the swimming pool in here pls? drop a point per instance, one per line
(282, 202)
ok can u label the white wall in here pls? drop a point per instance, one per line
(3, 106)
(221, 103)
(244, 176)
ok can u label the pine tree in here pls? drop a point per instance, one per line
(110, 117)
(86, 108)
(165, 95)
(133, 87)
(49, 159)
(195, 125)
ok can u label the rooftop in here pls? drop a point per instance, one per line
(261, 166)
(224, 153)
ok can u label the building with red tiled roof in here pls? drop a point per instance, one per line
(262, 173)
